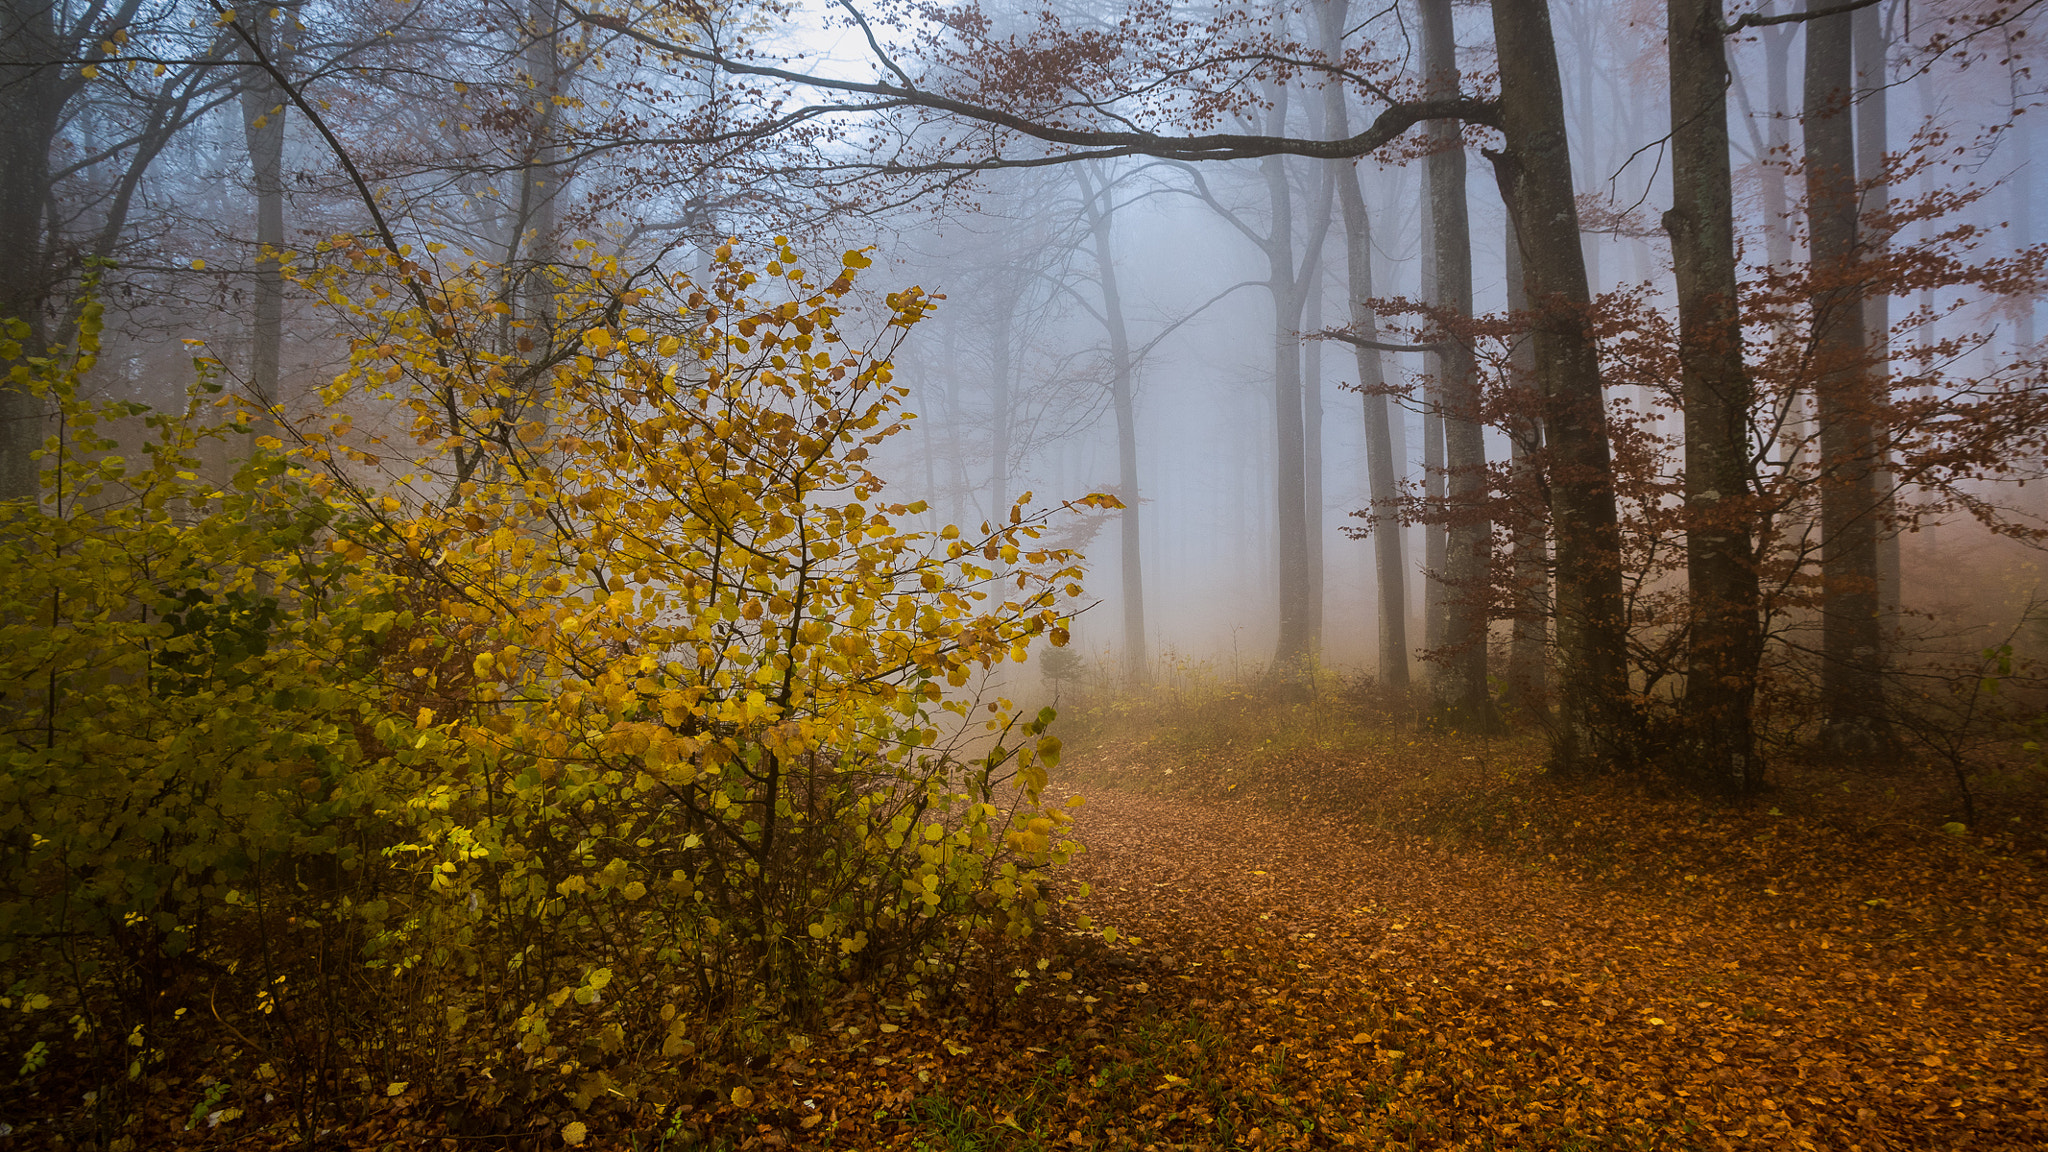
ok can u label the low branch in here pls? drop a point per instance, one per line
(1759, 20)
(1397, 119)
(1375, 345)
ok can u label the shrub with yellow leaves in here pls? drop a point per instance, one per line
(598, 700)
(691, 720)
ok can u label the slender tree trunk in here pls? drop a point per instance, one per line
(1290, 523)
(1585, 52)
(1289, 289)
(1873, 129)
(1435, 534)
(263, 122)
(1598, 725)
(1312, 440)
(1777, 206)
(1382, 470)
(1526, 690)
(956, 452)
(1852, 638)
(1460, 688)
(533, 246)
(999, 411)
(1726, 627)
(1095, 201)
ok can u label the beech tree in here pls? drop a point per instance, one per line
(1725, 623)
(1389, 561)
(1463, 698)
(1596, 725)
(1852, 643)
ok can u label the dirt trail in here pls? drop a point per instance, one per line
(1456, 996)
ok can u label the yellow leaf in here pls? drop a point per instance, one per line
(199, 265)
(742, 1097)
(90, 72)
(574, 1132)
(396, 1088)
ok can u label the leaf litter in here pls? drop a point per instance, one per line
(1289, 979)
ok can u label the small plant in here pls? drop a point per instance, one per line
(1063, 667)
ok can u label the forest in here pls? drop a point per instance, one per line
(926, 574)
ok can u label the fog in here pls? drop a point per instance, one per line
(625, 151)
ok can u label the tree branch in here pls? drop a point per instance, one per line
(1397, 119)
(1759, 20)
(1375, 345)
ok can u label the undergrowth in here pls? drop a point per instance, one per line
(1363, 757)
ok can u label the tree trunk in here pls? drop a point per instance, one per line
(1096, 205)
(1852, 639)
(263, 121)
(999, 411)
(33, 93)
(1382, 471)
(1435, 534)
(1873, 129)
(1312, 438)
(1598, 725)
(533, 246)
(1462, 700)
(1777, 207)
(1526, 690)
(1726, 638)
(1289, 289)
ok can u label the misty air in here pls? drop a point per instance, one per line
(859, 574)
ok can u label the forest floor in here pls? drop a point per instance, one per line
(1427, 944)
(1333, 935)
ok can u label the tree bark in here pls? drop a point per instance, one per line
(1597, 725)
(1527, 645)
(1461, 698)
(1382, 471)
(264, 110)
(1312, 437)
(1289, 284)
(1852, 640)
(1873, 129)
(1434, 539)
(1726, 638)
(1290, 487)
(533, 247)
(33, 93)
(1099, 212)
(999, 409)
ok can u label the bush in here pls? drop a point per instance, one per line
(181, 691)
(618, 709)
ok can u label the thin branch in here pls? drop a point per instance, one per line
(1375, 345)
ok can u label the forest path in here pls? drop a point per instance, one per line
(1438, 996)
